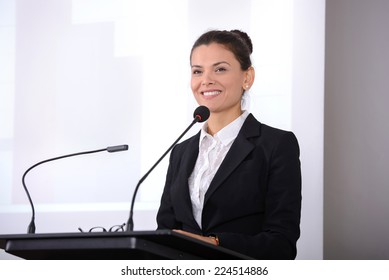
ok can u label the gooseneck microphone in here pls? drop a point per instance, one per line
(201, 114)
(111, 149)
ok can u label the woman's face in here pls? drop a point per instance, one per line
(217, 79)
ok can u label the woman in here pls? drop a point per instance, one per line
(237, 183)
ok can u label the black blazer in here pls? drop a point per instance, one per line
(253, 204)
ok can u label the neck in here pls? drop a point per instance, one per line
(217, 121)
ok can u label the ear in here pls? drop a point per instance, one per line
(249, 78)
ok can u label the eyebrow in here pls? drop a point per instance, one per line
(215, 64)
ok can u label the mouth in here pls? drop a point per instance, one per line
(211, 93)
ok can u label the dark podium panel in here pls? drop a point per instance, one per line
(137, 245)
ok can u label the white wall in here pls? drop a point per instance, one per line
(83, 74)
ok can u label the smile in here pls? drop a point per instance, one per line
(211, 93)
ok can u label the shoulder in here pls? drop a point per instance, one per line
(185, 149)
(268, 137)
(252, 127)
(189, 142)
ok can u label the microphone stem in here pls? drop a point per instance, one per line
(130, 223)
(31, 227)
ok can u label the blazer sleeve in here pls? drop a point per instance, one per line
(281, 228)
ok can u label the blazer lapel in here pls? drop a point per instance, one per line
(181, 190)
(237, 153)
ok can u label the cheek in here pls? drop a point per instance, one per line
(194, 88)
(192, 83)
(234, 87)
(237, 86)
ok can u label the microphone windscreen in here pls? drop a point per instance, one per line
(201, 113)
(119, 148)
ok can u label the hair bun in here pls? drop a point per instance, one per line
(245, 38)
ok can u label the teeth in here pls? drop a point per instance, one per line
(211, 93)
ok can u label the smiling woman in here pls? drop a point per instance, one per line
(237, 183)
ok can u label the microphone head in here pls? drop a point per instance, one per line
(119, 148)
(201, 114)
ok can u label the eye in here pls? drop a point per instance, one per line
(220, 69)
(196, 72)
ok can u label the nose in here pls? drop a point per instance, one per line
(208, 83)
(207, 80)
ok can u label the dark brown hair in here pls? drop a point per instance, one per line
(236, 41)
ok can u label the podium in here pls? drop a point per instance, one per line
(136, 245)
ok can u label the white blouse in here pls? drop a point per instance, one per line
(212, 151)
